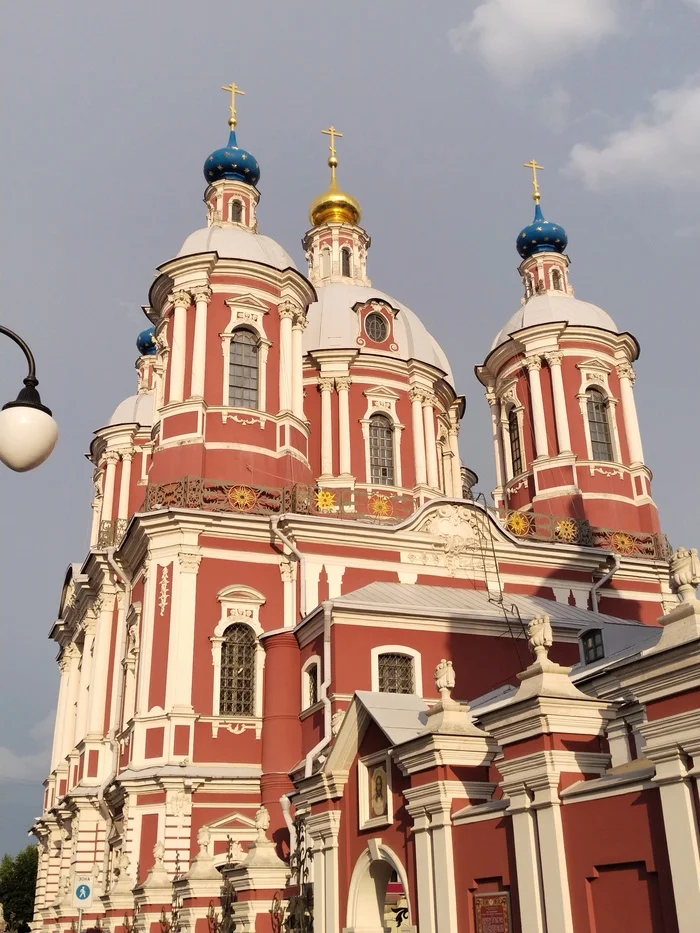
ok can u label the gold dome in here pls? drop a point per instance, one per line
(334, 206)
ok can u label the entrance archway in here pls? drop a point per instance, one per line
(376, 878)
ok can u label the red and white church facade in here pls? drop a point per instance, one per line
(297, 686)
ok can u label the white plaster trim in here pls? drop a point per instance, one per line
(366, 819)
(239, 604)
(313, 661)
(398, 649)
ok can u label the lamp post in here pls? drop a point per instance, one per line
(28, 433)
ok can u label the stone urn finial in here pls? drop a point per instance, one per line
(685, 573)
(539, 637)
(445, 679)
(262, 823)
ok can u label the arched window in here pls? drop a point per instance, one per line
(529, 286)
(310, 685)
(381, 451)
(556, 280)
(396, 673)
(592, 642)
(599, 425)
(237, 684)
(236, 211)
(243, 369)
(325, 263)
(516, 451)
(345, 262)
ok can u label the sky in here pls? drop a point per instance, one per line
(109, 111)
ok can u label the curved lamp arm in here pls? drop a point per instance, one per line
(28, 396)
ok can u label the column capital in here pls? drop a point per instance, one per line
(201, 293)
(416, 395)
(429, 400)
(326, 383)
(626, 371)
(189, 561)
(300, 322)
(288, 309)
(533, 363)
(181, 299)
(128, 455)
(111, 456)
(491, 397)
(554, 358)
(343, 383)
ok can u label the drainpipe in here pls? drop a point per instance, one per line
(327, 732)
(274, 526)
(603, 580)
(120, 693)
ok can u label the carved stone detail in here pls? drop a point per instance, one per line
(201, 293)
(189, 561)
(181, 299)
(164, 594)
(539, 637)
(685, 573)
(533, 362)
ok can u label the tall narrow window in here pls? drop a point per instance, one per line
(381, 451)
(243, 370)
(395, 673)
(599, 425)
(516, 451)
(236, 211)
(345, 262)
(556, 280)
(325, 263)
(237, 685)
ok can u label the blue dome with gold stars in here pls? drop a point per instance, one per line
(232, 162)
(541, 236)
(146, 342)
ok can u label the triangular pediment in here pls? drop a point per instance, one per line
(594, 363)
(381, 392)
(232, 821)
(247, 301)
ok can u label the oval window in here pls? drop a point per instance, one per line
(376, 327)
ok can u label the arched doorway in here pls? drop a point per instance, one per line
(378, 896)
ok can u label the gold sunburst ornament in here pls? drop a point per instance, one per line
(623, 543)
(325, 500)
(242, 498)
(381, 506)
(566, 530)
(518, 523)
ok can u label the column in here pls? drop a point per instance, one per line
(298, 328)
(430, 443)
(326, 385)
(73, 654)
(111, 458)
(680, 823)
(555, 880)
(343, 387)
(495, 407)
(178, 690)
(286, 312)
(629, 412)
(534, 364)
(96, 516)
(100, 666)
(443, 860)
(202, 297)
(560, 416)
(424, 871)
(331, 871)
(124, 486)
(85, 679)
(416, 397)
(453, 435)
(526, 861)
(178, 351)
(56, 751)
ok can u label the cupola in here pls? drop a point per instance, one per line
(541, 246)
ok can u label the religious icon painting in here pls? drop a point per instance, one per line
(375, 791)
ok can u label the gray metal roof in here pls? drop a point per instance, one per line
(400, 716)
(420, 599)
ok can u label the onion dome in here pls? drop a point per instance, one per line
(541, 236)
(146, 342)
(334, 206)
(232, 161)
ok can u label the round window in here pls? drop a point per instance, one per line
(376, 327)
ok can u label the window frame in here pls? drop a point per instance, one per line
(236, 202)
(382, 445)
(377, 315)
(416, 656)
(252, 645)
(606, 421)
(244, 329)
(313, 662)
(346, 262)
(590, 653)
(515, 443)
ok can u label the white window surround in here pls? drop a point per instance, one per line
(325, 262)
(366, 819)
(313, 661)
(509, 400)
(382, 401)
(398, 649)
(247, 312)
(594, 375)
(240, 604)
(231, 205)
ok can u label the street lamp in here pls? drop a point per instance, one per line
(28, 433)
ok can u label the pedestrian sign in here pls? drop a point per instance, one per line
(82, 891)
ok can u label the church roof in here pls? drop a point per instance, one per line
(400, 716)
(548, 309)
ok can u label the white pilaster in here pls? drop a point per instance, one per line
(202, 297)
(629, 413)
(416, 397)
(430, 443)
(178, 351)
(456, 465)
(57, 748)
(286, 312)
(555, 880)
(178, 691)
(526, 862)
(68, 730)
(425, 872)
(298, 329)
(680, 823)
(111, 458)
(495, 406)
(326, 385)
(85, 680)
(124, 485)
(100, 666)
(343, 388)
(560, 416)
(534, 364)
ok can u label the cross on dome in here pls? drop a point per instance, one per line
(334, 205)
(232, 161)
(535, 166)
(540, 236)
(234, 89)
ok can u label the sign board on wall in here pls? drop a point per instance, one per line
(82, 891)
(492, 912)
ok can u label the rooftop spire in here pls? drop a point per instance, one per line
(234, 89)
(334, 205)
(535, 166)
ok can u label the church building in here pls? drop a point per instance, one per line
(310, 680)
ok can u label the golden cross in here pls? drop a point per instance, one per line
(535, 166)
(234, 89)
(332, 132)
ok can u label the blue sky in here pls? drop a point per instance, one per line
(109, 111)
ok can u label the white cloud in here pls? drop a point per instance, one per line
(516, 38)
(660, 148)
(554, 109)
